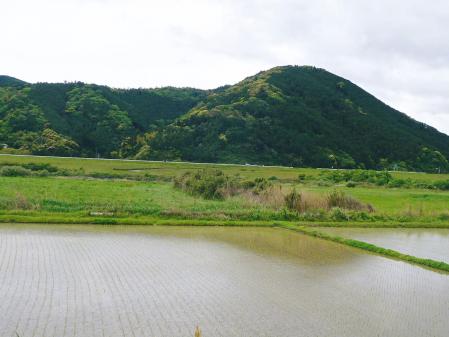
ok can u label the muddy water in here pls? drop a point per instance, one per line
(158, 281)
(427, 243)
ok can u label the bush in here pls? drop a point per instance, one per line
(312, 203)
(337, 214)
(351, 184)
(293, 200)
(341, 200)
(398, 183)
(358, 176)
(42, 173)
(14, 171)
(444, 216)
(442, 185)
(209, 184)
(40, 167)
(260, 185)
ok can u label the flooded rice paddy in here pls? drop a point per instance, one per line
(163, 281)
(428, 243)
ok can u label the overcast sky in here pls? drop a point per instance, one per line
(397, 50)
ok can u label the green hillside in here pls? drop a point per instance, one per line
(10, 81)
(87, 120)
(294, 116)
(301, 116)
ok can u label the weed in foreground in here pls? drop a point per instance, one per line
(198, 332)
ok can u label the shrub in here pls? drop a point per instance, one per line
(14, 171)
(341, 200)
(367, 176)
(248, 184)
(301, 177)
(360, 216)
(209, 184)
(316, 215)
(442, 185)
(351, 184)
(397, 183)
(293, 200)
(40, 167)
(304, 202)
(42, 173)
(260, 185)
(337, 214)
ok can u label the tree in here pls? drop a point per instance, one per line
(429, 160)
(97, 124)
(52, 143)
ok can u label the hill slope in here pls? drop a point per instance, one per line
(6, 81)
(299, 116)
(82, 119)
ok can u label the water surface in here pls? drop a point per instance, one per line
(429, 243)
(246, 282)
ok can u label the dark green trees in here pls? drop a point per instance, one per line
(431, 161)
(97, 125)
(299, 116)
(293, 116)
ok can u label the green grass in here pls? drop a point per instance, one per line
(160, 169)
(78, 196)
(395, 201)
(170, 169)
(128, 197)
(122, 196)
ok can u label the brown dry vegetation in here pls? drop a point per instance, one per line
(277, 197)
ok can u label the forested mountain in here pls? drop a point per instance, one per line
(82, 119)
(296, 116)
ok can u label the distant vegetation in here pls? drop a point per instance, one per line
(38, 189)
(292, 116)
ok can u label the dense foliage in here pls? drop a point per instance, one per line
(77, 119)
(209, 184)
(301, 116)
(294, 116)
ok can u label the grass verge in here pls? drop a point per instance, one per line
(428, 263)
(83, 218)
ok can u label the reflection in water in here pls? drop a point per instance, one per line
(429, 243)
(163, 281)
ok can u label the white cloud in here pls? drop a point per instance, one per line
(395, 49)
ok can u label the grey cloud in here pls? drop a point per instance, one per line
(396, 49)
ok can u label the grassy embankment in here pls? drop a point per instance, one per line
(428, 263)
(126, 192)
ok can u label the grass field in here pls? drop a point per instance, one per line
(170, 169)
(80, 194)
(67, 194)
(397, 201)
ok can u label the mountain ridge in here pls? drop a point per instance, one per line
(288, 115)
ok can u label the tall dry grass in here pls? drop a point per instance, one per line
(21, 202)
(278, 197)
(272, 197)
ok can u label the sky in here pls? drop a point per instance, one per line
(398, 50)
